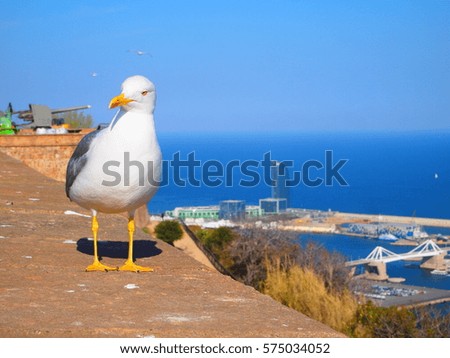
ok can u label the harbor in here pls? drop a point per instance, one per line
(389, 294)
(412, 268)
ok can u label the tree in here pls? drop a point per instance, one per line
(432, 323)
(216, 240)
(330, 266)
(77, 119)
(168, 231)
(381, 322)
(250, 249)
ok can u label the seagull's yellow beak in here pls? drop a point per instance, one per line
(119, 100)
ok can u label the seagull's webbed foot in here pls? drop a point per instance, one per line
(98, 266)
(129, 265)
(132, 267)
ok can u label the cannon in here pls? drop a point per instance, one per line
(41, 116)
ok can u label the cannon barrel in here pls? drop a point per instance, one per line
(69, 109)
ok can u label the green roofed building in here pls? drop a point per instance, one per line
(195, 212)
(208, 212)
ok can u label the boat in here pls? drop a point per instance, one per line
(387, 237)
(440, 272)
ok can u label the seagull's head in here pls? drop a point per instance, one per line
(138, 94)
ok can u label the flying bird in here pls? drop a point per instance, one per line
(140, 53)
(118, 168)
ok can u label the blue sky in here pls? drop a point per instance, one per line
(265, 66)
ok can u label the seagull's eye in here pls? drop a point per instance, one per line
(144, 93)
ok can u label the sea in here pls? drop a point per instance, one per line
(383, 173)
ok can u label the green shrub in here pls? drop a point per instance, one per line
(215, 239)
(168, 231)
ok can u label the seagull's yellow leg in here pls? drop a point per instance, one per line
(97, 265)
(129, 264)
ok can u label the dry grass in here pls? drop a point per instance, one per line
(304, 291)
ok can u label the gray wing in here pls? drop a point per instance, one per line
(79, 159)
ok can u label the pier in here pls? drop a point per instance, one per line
(368, 218)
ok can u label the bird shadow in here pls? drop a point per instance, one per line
(118, 249)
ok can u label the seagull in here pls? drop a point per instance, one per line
(140, 53)
(118, 168)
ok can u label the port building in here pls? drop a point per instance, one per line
(233, 210)
(273, 205)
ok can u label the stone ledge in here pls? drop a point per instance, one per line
(45, 292)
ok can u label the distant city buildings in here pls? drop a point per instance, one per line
(273, 205)
(280, 177)
(237, 210)
(233, 210)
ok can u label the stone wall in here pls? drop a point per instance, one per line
(46, 153)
